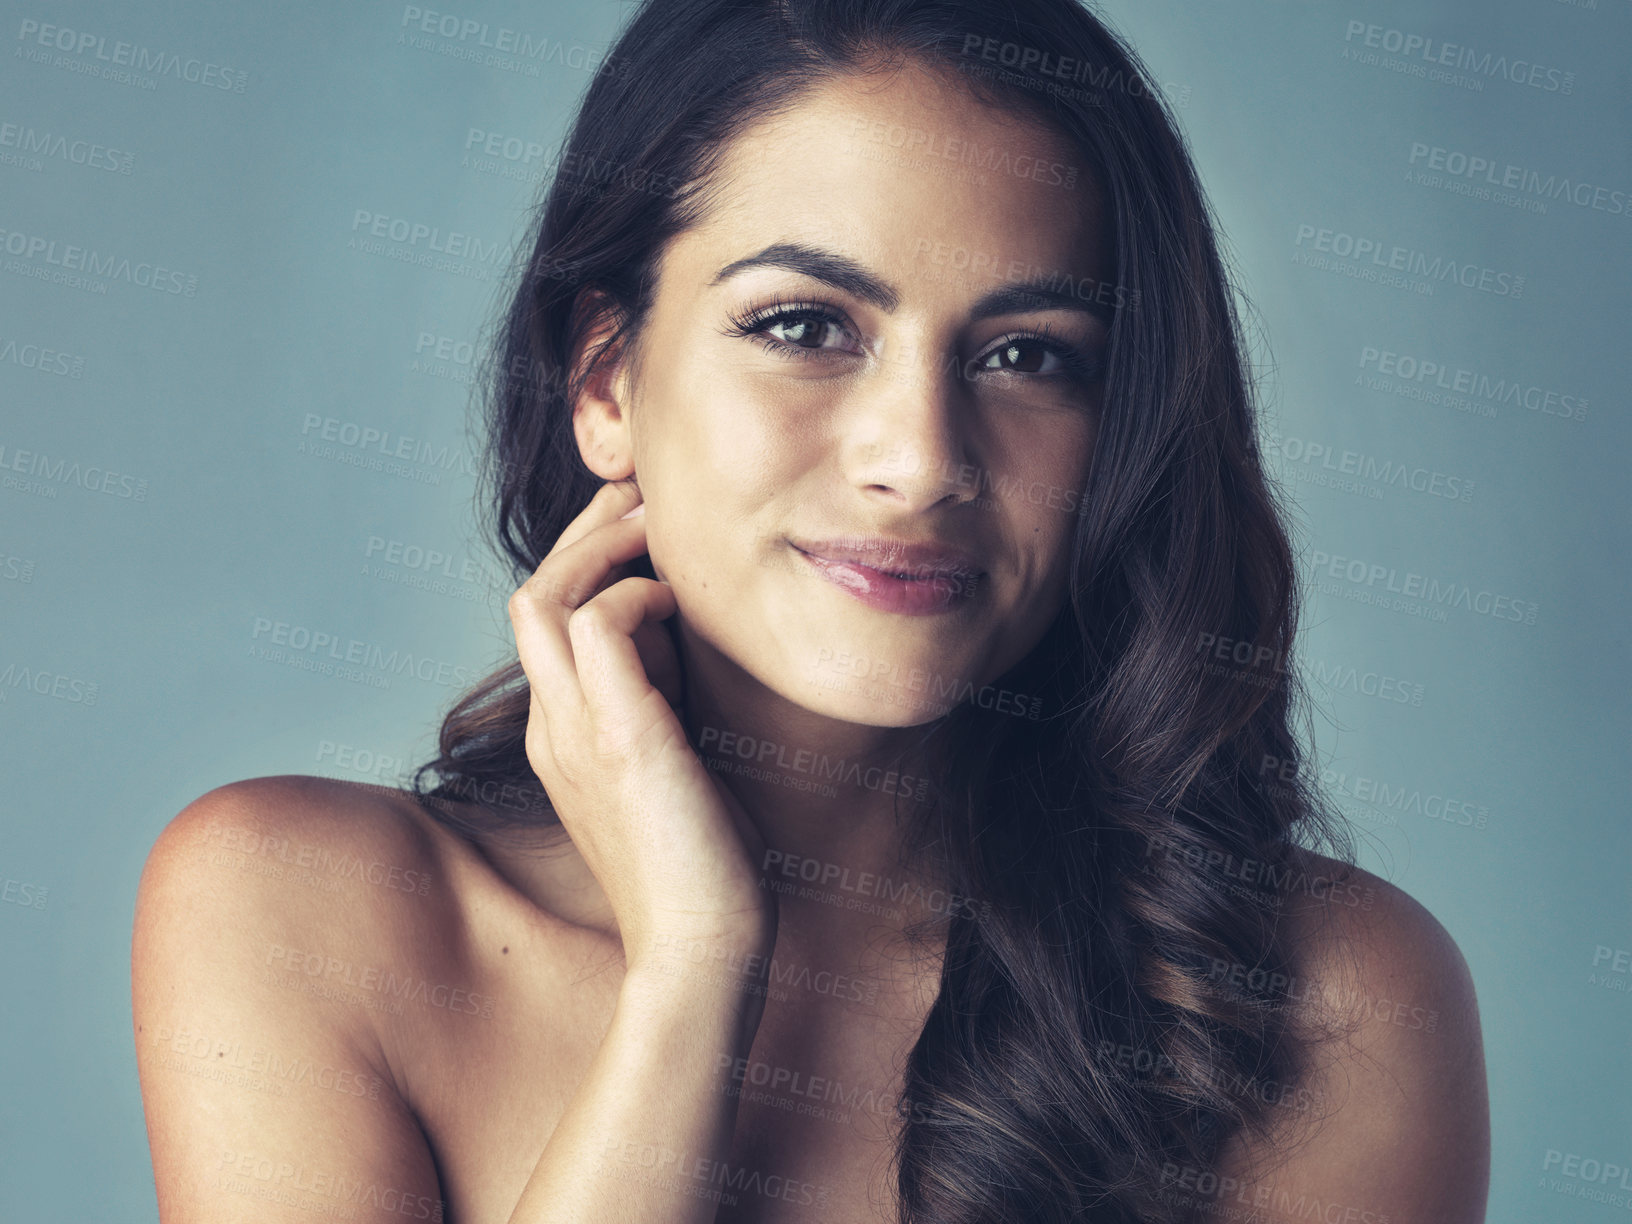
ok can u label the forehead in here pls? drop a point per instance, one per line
(905, 171)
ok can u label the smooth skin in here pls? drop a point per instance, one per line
(339, 1001)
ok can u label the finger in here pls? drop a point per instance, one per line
(564, 582)
(660, 659)
(546, 656)
(574, 575)
(540, 745)
(610, 674)
(612, 500)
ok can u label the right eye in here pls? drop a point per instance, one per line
(798, 330)
(803, 329)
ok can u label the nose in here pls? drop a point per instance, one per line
(907, 433)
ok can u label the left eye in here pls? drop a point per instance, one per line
(1024, 355)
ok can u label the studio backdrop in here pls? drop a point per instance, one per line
(251, 254)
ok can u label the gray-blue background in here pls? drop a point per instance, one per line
(177, 500)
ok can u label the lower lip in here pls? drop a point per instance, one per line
(887, 593)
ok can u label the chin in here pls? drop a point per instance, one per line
(875, 690)
(870, 703)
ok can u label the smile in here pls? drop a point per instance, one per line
(891, 576)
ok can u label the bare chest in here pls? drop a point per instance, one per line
(815, 1097)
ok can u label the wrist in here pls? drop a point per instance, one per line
(739, 942)
(736, 954)
(671, 988)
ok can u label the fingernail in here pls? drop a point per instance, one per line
(640, 509)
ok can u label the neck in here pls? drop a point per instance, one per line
(831, 798)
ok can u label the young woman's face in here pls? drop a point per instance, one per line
(849, 374)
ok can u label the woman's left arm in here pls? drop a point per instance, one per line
(1391, 1123)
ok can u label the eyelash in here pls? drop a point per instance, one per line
(749, 323)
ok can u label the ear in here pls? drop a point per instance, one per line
(600, 414)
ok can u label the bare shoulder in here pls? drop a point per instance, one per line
(269, 861)
(1398, 1129)
(292, 818)
(1364, 941)
(263, 1086)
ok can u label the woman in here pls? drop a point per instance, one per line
(892, 812)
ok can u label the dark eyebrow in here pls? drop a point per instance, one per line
(846, 274)
(832, 269)
(1038, 295)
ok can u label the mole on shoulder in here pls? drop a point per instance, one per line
(504, 949)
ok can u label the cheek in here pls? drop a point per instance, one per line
(728, 444)
(714, 469)
(1045, 500)
(1050, 459)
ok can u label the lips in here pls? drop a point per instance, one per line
(895, 575)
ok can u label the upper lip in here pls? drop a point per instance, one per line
(892, 556)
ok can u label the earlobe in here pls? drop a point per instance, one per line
(602, 432)
(600, 418)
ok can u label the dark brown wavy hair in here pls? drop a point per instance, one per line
(1118, 1003)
